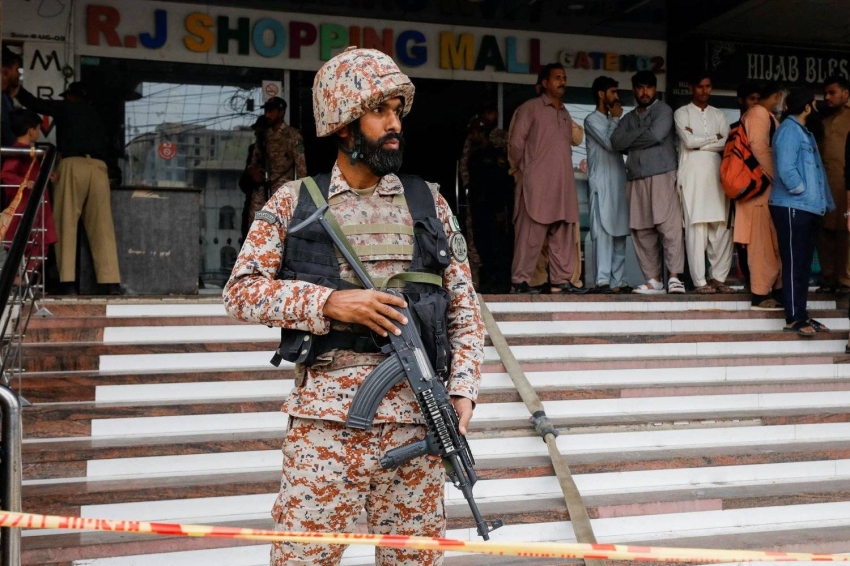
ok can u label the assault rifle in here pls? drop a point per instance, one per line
(410, 361)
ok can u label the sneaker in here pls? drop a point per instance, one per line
(524, 289)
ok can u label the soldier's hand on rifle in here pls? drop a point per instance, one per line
(372, 309)
(464, 408)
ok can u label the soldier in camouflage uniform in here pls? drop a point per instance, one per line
(332, 473)
(486, 121)
(277, 157)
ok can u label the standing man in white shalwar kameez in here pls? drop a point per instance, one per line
(606, 173)
(702, 131)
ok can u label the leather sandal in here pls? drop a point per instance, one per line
(801, 327)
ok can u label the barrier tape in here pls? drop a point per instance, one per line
(522, 549)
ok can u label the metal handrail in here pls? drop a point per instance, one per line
(22, 234)
(11, 469)
(19, 278)
(17, 302)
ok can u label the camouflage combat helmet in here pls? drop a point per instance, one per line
(351, 83)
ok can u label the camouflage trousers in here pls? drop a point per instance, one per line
(331, 473)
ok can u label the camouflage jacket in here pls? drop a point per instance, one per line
(285, 148)
(498, 138)
(326, 389)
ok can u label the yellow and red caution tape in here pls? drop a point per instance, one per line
(522, 549)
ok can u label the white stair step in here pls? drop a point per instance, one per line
(491, 382)
(582, 411)
(213, 309)
(184, 424)
(250, 333)
(633, 306)
(638, 377)
(166, 309)
(259, 360)
(197, 391)
(578, 447)
(615, 488)
(194, 361)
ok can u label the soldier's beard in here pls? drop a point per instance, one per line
(382, 161)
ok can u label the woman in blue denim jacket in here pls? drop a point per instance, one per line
(799, 199)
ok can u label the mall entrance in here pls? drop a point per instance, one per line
(180, 128)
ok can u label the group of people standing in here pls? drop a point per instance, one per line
(669, 193)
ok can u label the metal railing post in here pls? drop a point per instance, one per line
(12, 439)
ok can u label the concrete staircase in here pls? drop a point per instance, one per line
(687, 420)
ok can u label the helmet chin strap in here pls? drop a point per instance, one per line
(356, 154)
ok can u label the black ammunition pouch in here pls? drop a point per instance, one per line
(309, 255)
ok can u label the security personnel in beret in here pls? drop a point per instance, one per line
(277, 157)
(406, 236)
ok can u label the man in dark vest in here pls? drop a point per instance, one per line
(404, 233)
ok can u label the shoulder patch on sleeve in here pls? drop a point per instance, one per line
(266, 216)
(457, 243)
(455, 224)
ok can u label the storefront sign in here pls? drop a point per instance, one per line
(733, 63)
(236, 36)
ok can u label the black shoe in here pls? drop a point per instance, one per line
(113, 289)
(567, 289)
(65, 288)
(524, 289)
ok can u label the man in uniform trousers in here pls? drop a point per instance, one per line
(833, 241)
(278, 156)
(330, 472)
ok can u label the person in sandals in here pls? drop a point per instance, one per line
(799, 199)
(702, 131)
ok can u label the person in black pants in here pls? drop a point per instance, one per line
(799, 199)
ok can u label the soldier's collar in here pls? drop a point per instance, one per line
(388, 185)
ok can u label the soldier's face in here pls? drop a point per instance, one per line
(274, 116)
(383, 144)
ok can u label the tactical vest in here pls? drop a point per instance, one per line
(310, 255)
